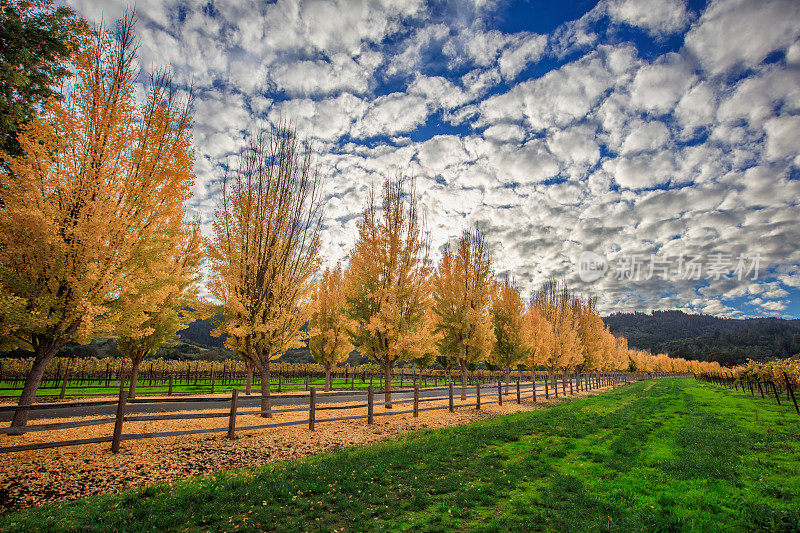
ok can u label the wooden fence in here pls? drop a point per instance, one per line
(481, 393)
(209, 381)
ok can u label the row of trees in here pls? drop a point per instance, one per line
(94, 240)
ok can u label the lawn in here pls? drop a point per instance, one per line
(665, 455)
(142, 388)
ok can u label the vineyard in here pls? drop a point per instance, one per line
(780, 378)
(103, 376)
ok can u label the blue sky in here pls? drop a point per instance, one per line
(644, 131)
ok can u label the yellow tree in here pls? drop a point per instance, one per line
(591, 332)
(555, 302)
(264, 247)
(158, 306)
(80, 208)
(512, 345)
(388, 286)
(425, 354)
(462, 302)
(540, 338)
(328, 339)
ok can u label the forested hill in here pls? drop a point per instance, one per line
(707, 337)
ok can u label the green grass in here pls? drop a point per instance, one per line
(77, 390)
(665, 455)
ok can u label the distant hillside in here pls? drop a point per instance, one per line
(707, 337)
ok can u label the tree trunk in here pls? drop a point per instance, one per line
(464, 380)
(248, 379)
(508, 376)
(387, 378)
(134, 375)
(327, 378)
(32, 381)
(265, 390)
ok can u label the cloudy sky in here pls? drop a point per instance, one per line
(657, 134)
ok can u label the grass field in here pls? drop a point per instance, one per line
(661, 455)
(142, 388)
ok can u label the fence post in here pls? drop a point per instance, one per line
(519, 397)
(450, 392)
(312, 407)
(416, 399)
(169, 393)
(213, 382)
(477, 395)
(123, 397)
(64, 385)
(280, 382)
(232, 419)
(370, 398)
(500, 393)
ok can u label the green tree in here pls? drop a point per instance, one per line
(37, 43)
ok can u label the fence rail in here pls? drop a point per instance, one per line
(480, 392)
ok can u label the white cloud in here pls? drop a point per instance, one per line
(743, 32)
(645, 137)
(658, 87)
(442, 93)
(783, 138)
(656, 16)
(339, 74)
(392, 114)
(522, 51)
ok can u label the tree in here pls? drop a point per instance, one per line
(541, 338)
(426, 353)
(38, 42)
(388, 285)
(554, 302)
(80, 208)
(328, 339)
(264, 248)
(591, 332)
(508, 320)
(462, 299)
(159, 306)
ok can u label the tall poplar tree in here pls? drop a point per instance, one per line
(388, 280)
(80, 208)
(511, 345)
(264, 248)
(462, 302)
(328, 339)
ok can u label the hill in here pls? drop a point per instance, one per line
(728, 341)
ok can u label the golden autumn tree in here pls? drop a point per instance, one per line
(462, 302)
(427, 352)
(79, 210)
(554, 302)
(541, 338)
(512, 345)
(158, 307)
(264, 248)
(388, 285)
(328, 324)
(592, 334)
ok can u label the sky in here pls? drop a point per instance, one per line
(647, 152)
